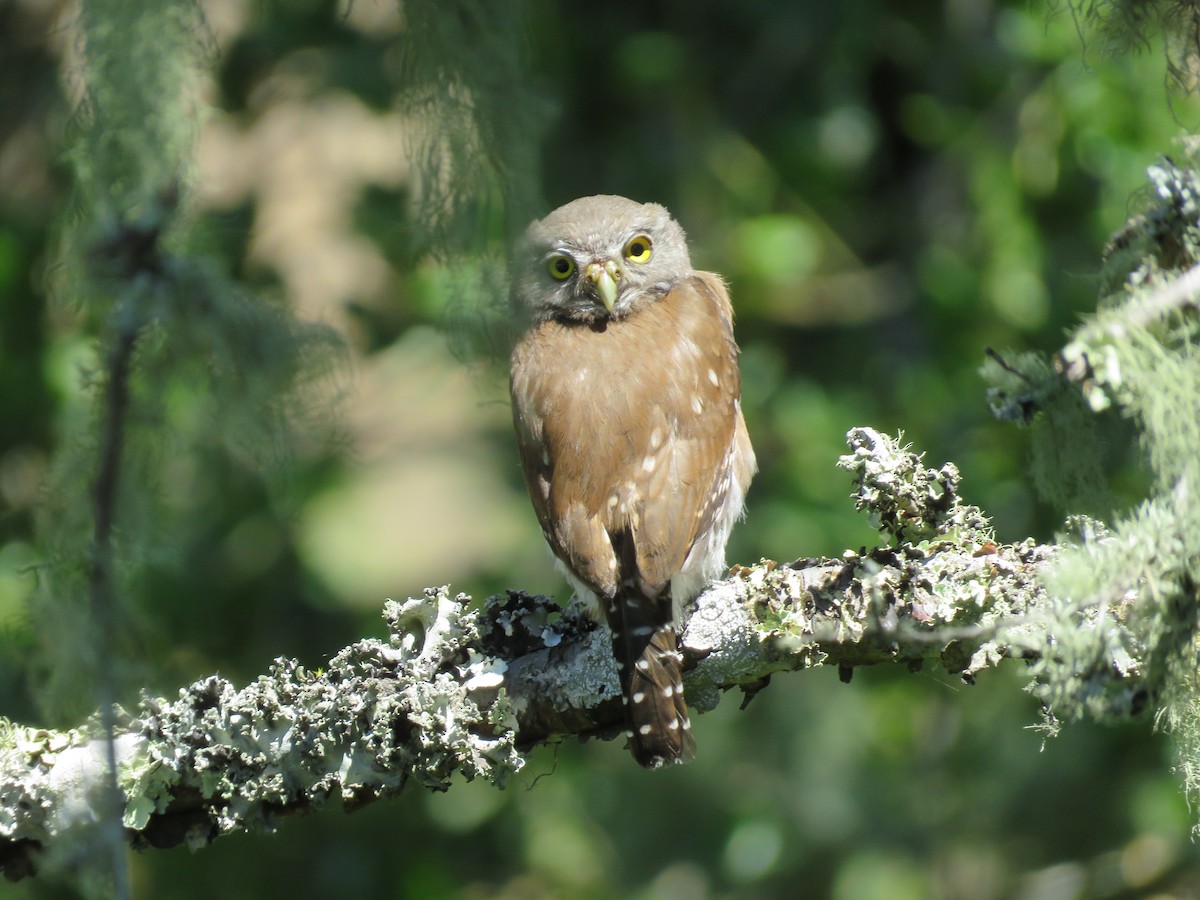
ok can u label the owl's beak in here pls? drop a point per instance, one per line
(604, 277)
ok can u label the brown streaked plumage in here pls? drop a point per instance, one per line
(626, 401)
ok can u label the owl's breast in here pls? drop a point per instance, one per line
(603, 403)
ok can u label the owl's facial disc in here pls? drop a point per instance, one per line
(604, 277)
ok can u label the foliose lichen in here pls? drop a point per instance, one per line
(419, 705)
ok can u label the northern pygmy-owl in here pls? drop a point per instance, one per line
(626, 401)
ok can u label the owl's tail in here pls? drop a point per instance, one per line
(651, 669)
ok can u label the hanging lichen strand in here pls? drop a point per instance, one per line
(1124, 594)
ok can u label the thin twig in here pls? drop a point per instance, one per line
(103, 599)
(995, 356)
(1177, 294)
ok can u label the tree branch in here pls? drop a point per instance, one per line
(453, 688)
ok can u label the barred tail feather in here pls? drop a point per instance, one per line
(651, 667)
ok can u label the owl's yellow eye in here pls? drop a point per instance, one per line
(638, 249)
(561, 267)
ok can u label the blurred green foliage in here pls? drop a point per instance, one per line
(890, 188)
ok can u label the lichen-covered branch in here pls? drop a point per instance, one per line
(457, 688)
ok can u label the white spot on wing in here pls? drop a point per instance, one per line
(645, 729)
(697, 405)
(639, 696)
(712, 376)
(648, 464)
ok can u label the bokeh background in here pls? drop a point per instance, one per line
(890, 188)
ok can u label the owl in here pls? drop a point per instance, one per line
(626, 401)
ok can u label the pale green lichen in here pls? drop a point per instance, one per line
(45, 777)
(381, 714)
(905, 500)
(146, 786)
(418, 706)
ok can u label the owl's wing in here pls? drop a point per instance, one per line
(685, 480)
(544, 414)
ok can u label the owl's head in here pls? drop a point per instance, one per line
(597, 258)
